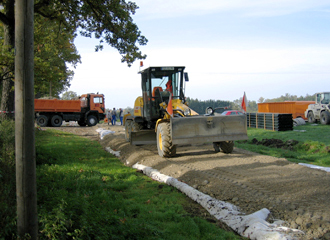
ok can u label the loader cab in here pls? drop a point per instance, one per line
(159, 84)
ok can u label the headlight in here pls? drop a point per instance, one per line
(209, 110)
(187, 112)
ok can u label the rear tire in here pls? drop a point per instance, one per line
(56, 121)
(91, 120)
(325, 117)
(128, 130)
(311, 118)
(227, 146)
(42, 120)
(164, 141)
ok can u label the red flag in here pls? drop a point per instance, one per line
(169, 108)
(244, 103)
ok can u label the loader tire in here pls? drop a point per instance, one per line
(164, 141)
(128, 130)
(216, 147)
(227, 146)
(42, 121)
(310, 117)
(325, 117)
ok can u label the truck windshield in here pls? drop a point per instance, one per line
(98, 100)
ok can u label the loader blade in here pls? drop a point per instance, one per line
(202, 129)
(143, 137)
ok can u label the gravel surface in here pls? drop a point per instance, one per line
(293, 193)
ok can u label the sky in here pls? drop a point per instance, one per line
(265, 48)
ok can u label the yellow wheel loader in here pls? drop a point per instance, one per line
(162, 116)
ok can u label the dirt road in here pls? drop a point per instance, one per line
(293, 193)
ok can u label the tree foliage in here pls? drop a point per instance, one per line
(57, 23)
(54, 50)
(289, 97)
(69, 95)
(108, 21)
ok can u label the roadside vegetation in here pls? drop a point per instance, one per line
(313, 144)
(86, 193)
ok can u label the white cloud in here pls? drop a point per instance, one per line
(150, 9)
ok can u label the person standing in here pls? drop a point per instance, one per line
(121, 116)
(109, 117)
(113, 116)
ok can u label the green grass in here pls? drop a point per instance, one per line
(313, 146)
(86, 193)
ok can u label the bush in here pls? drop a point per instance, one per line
(7, 178)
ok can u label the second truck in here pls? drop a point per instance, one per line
(88, 110)
(162, 116)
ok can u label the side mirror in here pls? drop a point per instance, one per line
(186, 78)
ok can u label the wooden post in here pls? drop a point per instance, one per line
(26, 190)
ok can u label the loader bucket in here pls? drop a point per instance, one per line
(143, 137)
(202, 129)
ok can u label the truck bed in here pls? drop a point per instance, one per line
(55, 105)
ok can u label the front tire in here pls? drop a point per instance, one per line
(164, 141)
(311, 118)
(56, 121)
(227, 146)
(325, 117)
(42, 120)
(216, 147)
(91, 120)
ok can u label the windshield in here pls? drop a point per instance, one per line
(166, 81)
(324, 98)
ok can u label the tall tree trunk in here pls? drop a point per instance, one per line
(8, 96)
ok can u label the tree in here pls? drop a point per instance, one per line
(108, 21)
(54, 49)
(69, 95)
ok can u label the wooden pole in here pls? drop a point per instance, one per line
(26, 190)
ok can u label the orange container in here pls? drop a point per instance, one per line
(296, 108)
(55, 105)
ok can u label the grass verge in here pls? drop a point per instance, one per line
(86, 193)
(313, 144)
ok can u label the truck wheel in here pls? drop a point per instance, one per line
(81, 123)
(164, 141)
(216, 146)
(128, 130)
(91, 120)
(56, 121)
(227, 146)
(325, 117)
(311, 118)
(42, 120)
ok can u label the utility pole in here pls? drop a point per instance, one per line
(26, 187)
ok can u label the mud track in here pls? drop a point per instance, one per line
(293, 193)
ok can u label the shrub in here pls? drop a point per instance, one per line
(7, 178)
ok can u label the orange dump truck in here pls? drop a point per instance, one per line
(296, 108)
(88, 110)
